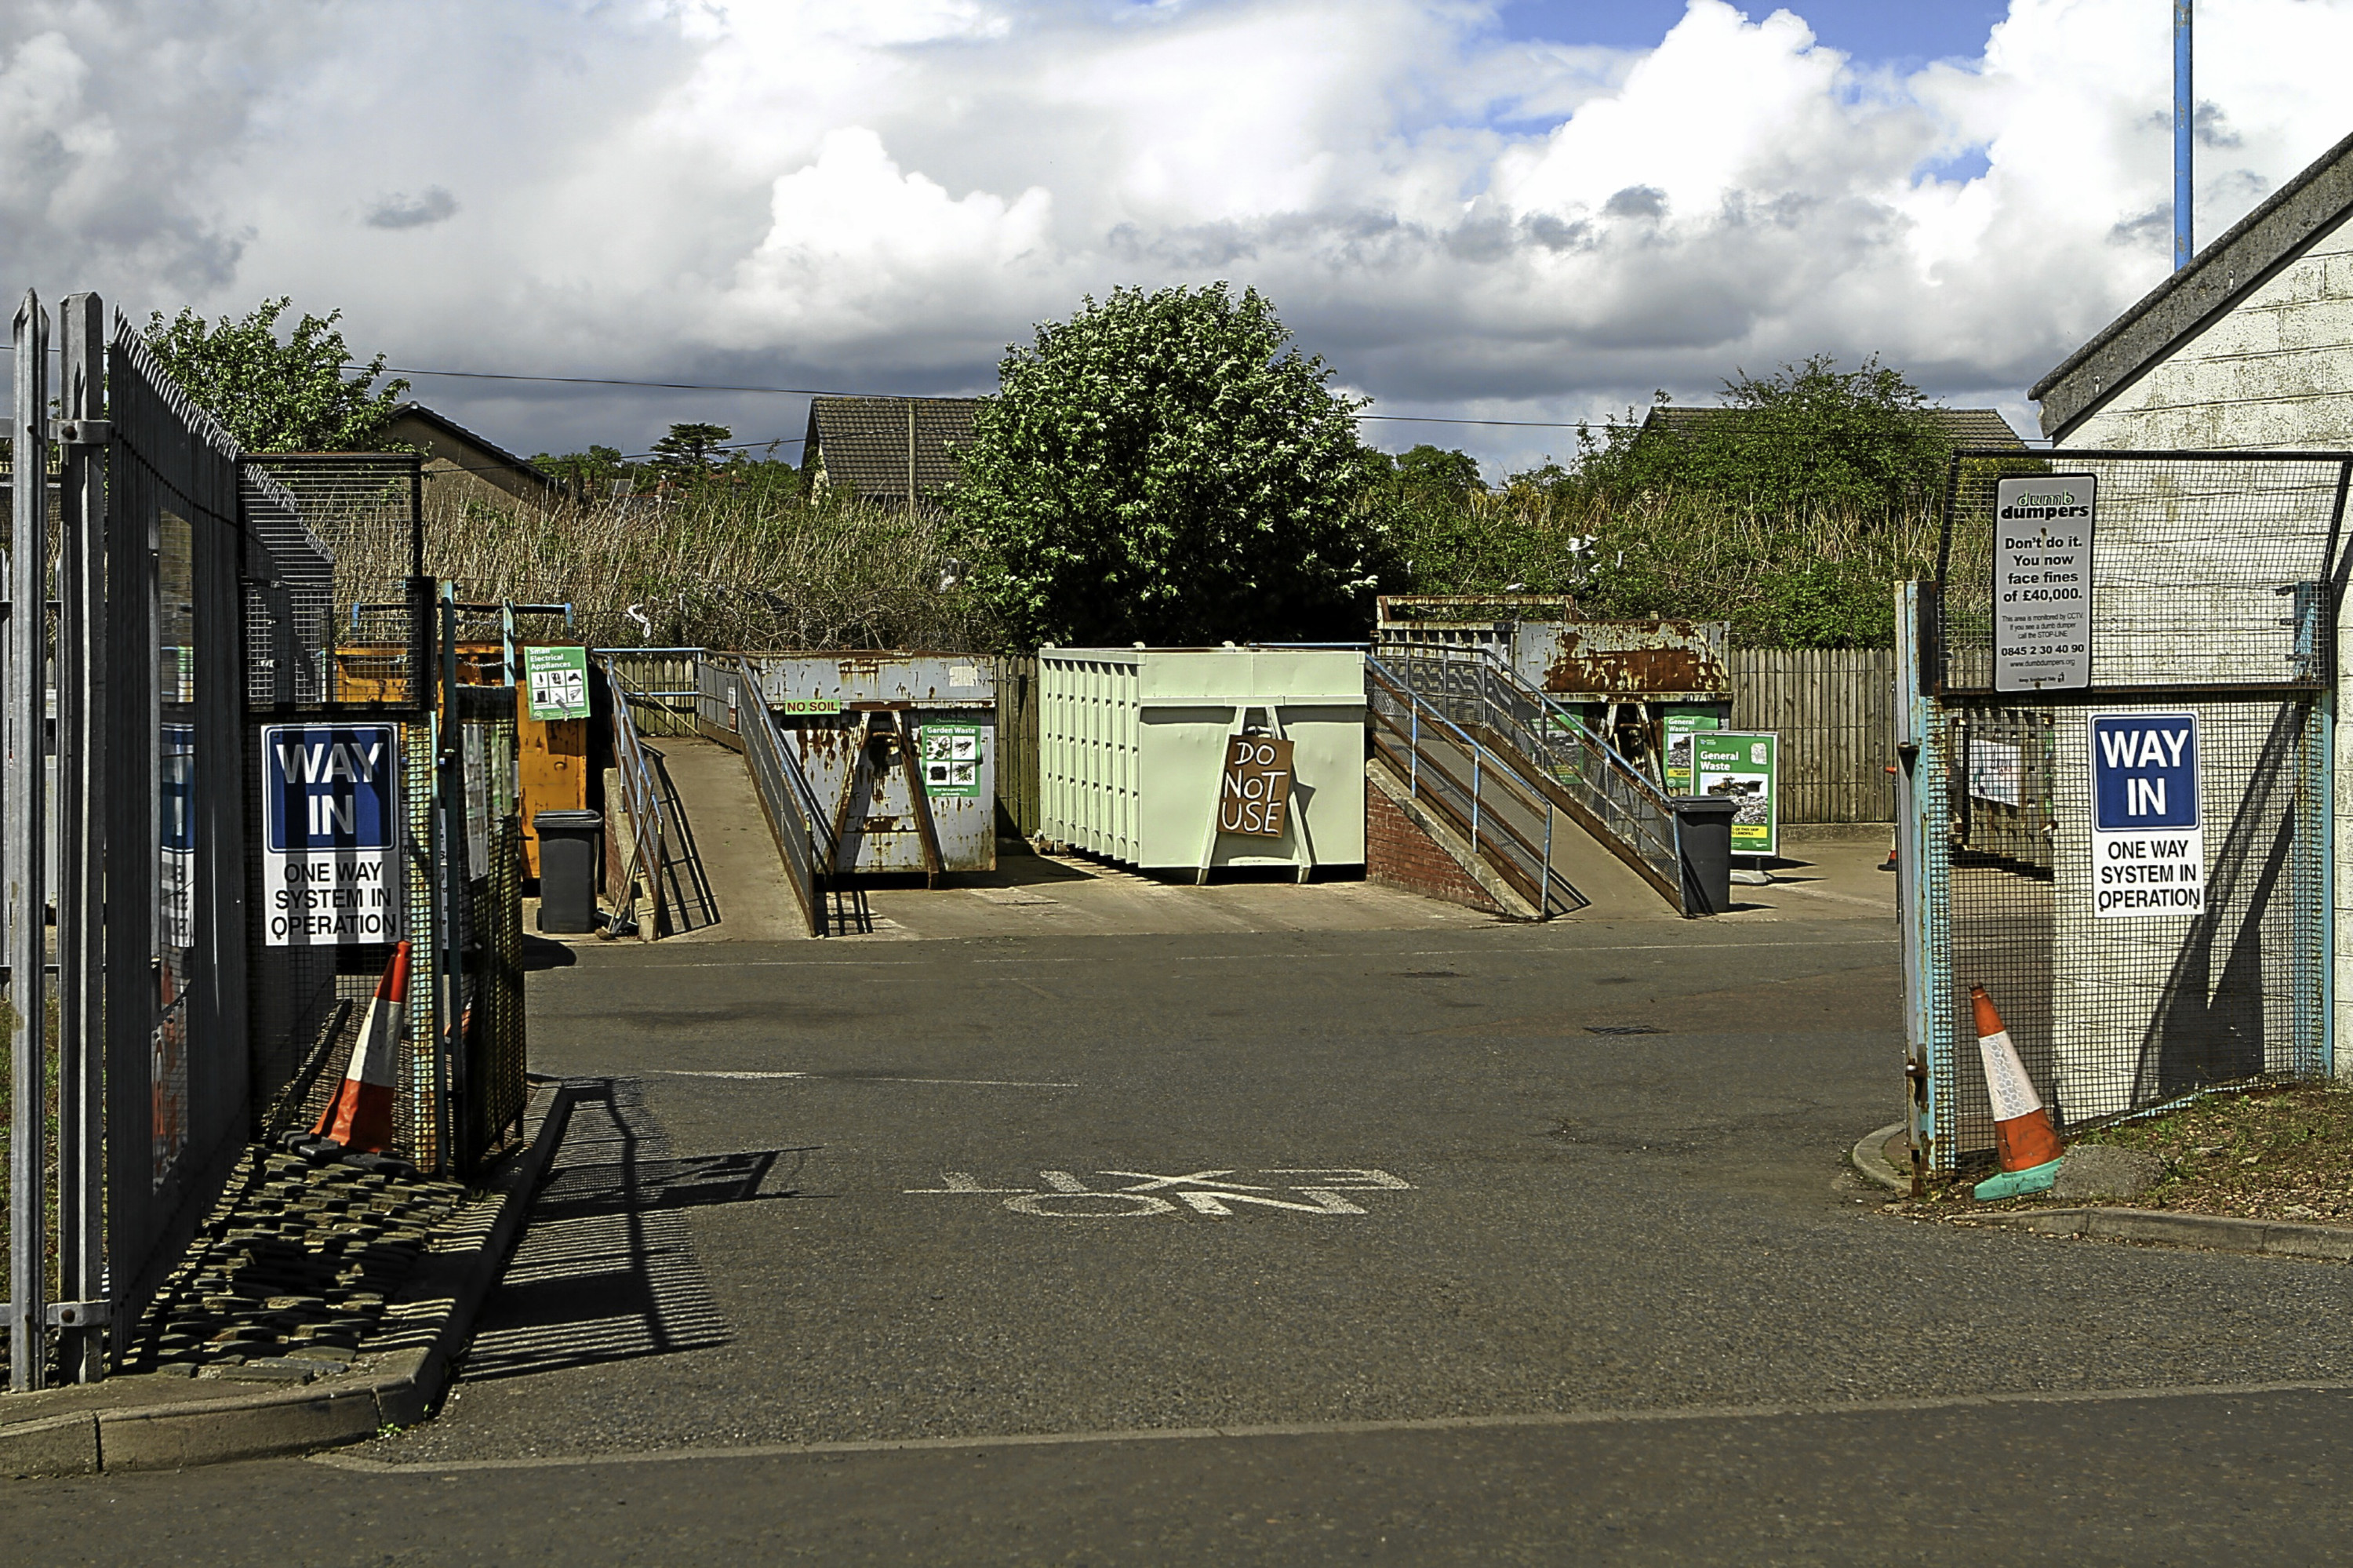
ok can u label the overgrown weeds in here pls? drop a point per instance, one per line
(708, 570)
(1818, 579)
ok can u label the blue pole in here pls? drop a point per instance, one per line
(2184, 111)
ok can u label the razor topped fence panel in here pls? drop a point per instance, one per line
(2117, 799)
(226, 839)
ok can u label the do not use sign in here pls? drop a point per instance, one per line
(1254, 796)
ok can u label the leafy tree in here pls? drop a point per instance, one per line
(1164, 467)
(1808, 440)
(273, 396)
(1430, 473)
(686, 452)
(588, 475)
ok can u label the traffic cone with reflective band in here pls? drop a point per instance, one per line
(2024, 1143)
(359, 1116)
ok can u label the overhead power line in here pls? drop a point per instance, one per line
(893, 397)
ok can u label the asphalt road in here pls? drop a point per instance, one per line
(1403, 1259)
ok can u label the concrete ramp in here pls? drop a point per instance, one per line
(728, 838)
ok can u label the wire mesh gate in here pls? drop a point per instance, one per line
(2213, 583)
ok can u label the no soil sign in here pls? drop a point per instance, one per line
(2148, 846)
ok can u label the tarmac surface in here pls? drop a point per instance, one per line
(1471, 1242)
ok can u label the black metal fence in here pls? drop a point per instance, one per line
(182, 633)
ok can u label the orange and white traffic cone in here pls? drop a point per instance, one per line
(2025, 1144)
(359, 1116)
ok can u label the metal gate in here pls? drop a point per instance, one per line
(191, 1003)
(2213, 582)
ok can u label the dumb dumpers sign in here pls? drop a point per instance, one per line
(1254, 795)
(331, 861)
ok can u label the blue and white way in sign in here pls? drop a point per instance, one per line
(331, 862)
(2148, 845)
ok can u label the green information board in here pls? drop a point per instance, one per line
(555, 682)
(1729, 762)
(1680, 723)
(952, 759)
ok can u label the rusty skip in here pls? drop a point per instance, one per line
(1401, 609)
(1621, 660)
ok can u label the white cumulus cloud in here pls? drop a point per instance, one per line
(880, 196)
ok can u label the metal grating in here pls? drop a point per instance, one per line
(2110, 1016)
(2214, 583)
(2206, 568)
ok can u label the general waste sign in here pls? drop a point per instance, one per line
(2148, 847)
(555, 682)
(1745, 767)
(331, 857)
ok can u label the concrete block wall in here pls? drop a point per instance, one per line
(2274, 372)
(1399, 854)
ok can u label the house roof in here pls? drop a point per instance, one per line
(864, 442)
(483, 453)
(1962, 427)
(2235, 266)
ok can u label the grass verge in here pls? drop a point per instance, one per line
(2274, 1154)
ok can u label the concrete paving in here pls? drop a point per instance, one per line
(1473, 1242)
(1029, 894)
(728, 836)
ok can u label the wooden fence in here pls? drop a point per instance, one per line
(644, 674)
(1017, 743)
(1834, 711)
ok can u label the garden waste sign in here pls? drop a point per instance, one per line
(2148, 846)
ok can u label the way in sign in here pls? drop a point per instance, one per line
(1062, 1196)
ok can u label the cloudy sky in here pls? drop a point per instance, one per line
(1526, 210)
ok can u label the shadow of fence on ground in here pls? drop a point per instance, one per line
(606, 1269)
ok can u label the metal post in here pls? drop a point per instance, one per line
(1474, 796)
(81, 910)
(2185, 115)
(1546, 884)
(910, 454)
(23, 843)
(2323, 924)
(447, 873)
(1413, 750)
(1914, 795)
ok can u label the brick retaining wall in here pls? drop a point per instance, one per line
(1399, 854)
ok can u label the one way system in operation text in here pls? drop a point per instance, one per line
(331, 860)
(2148, 848)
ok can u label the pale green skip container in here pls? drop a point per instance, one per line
(1132, 744)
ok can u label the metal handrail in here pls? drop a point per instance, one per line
(1614, 800)
(641, 801)
(805, 841)
(1424, 734)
